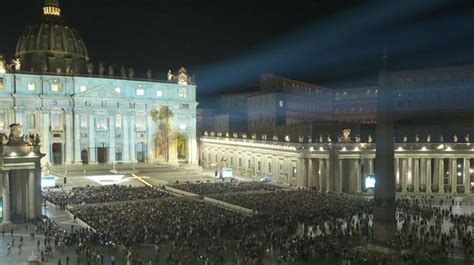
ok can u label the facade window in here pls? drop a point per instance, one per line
(82, 88)
(84, 122)
(293, 172)
(240, 162)
(140, 92)
(2, 121)
(140, 122)
(281, 103)
(249, 163)
(101, 122)
(215, 158)
(31, 86)
(182, 93)
(118, 121)
(56, 120)
(259, 168)
(56, 87)
(269, 167)
(209, 157)
(159, 93)
(232, 161)
(32, 121)
(118, 90)
(2, 84)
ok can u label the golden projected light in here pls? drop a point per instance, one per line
(51, 11)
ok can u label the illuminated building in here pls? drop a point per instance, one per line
(89, 116)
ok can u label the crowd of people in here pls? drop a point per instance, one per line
(102, 194)
(205, 188)
(289, 227)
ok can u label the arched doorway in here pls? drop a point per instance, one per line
(85, 157)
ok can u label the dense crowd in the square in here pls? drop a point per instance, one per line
(102, 194)
(290, 227)
(205, 188)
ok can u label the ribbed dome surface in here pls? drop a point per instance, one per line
(51, 46)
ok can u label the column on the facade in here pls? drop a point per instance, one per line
(92, 143)
(310, 173)
(416, 174)
(467, 176)
(322, 177)
(69, 138)
(77, 139)
(404, 174)
(45, 123)
(112, 138)
(6, 197)
(126, 138)
(428, 175)
(357, 176)
(440, 174)
(193, 147)
(422, 173)
(31, 194)
(150, 132)
(133, 155)
(453, 175)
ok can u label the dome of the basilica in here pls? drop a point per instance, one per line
(52, 46)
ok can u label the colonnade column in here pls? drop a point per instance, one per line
(416, 174)
(339, 176)
(440, 174)
(126, 138)
(112, 138)
(467, 176)
(422, 172)
(6, 197)
(428, 174)
(453, 177)
(371, 166)
(327, 171)
(357, 175)
(92, 143)
(302, 173)
(69, 138)
(409, 174)
(31, 194)
(77, 139)
(398, 181)
(322, 182)
(404, 175)
(310, 173)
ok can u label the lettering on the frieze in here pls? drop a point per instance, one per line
(132, 105)
(118, 104)
(104, 104)
(87, 103)
(71, 103)
(55, 102)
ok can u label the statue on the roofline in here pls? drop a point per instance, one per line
(455, 138)
(149, 74)
(131, 72)
(428, 138)
(466, 138)
(370, 140)
(90, 68)
(123, 72)
(417, 138)
(16, 137)
(111, 70)
(101, 69)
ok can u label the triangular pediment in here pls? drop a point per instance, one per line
(100, 92)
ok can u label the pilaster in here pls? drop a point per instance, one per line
(111, 154)
(467, 176)
(92, 143)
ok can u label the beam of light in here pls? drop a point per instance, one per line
(323, 45)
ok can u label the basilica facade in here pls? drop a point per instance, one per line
(86, 115)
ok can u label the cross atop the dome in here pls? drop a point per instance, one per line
(51, 8)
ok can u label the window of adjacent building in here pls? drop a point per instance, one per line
(32, 121)
(56, 87)
(159, 93)
(215, 159)
(140, 92)
(31, 86)
(84, 121)
(117, 89)
(182, 93)
(82, 88)
(269, 167)
(118, 121)
(101, 122)
(281, 103)
(240, 162)
(293, 172)
(249, 163)
(232, 161)
(2, 121)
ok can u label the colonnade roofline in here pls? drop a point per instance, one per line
(438, 149)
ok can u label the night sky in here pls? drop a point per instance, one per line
(227, 44)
